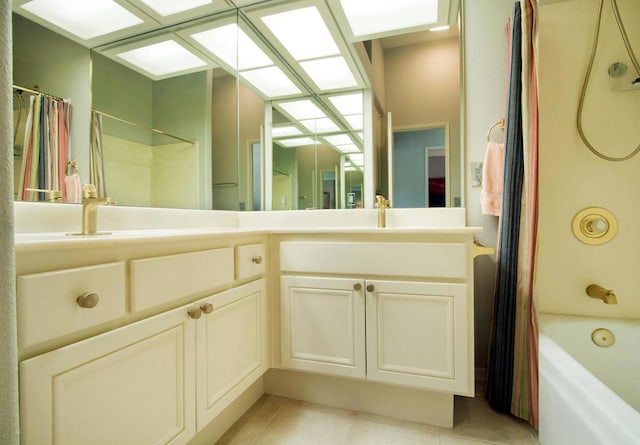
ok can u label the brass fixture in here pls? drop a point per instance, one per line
(603, 337)
(594, 225)
(90, 204)
(257, 259)
(357, 286)
(195, 313)
(51, 195)
(207, 308)
(481, 249)
(599, 292)
(370, 288)
(88, 300)
(382, 204)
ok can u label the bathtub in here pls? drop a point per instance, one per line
(588, 394)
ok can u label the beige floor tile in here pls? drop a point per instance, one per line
(474, 419)
(254, 422)
(449, 439)
(369, 432)
(302, 424)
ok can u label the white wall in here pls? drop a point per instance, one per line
(571, 177)
(485, 103)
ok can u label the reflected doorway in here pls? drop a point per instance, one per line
(420, 164)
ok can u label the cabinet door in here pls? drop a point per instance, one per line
(231, 347)
(134, 385)
(417, 335)
(322, 322)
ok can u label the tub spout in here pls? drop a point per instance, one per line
(599, 292)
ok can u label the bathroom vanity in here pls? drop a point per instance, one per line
(157, 336)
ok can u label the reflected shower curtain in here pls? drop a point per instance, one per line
(46, 147)
(96, 158)
(512, 374)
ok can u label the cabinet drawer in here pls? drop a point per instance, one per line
(250, 261)
(48, 306)
(160, 280)
(447, 260)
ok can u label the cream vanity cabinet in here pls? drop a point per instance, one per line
(157, 380)
(352, 317)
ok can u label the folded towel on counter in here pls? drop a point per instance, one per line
(492, 179)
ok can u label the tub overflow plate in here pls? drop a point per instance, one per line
(603, 337)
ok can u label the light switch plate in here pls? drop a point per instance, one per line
(476, 174)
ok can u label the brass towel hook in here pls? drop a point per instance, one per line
(501, 123)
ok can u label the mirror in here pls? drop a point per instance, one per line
(215, 148)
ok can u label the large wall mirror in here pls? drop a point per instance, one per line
(228, 107)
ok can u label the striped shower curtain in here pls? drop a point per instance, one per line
(512, 372)
(96, 157)
(46, 147)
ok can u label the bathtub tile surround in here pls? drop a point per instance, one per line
(277, 420)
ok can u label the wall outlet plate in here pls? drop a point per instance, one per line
(476, 174)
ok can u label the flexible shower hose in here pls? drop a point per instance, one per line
(583, 92)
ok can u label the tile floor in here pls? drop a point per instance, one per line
(276, 420)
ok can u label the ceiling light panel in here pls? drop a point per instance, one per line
(355, 121)
(163, 58)
(169, 7)
(323, 125)
(367, 17)
(84, 19)
(348, 103)
(330, 73)
(338, 139)
(296, 142)
(301, 109)
(303, 33)
(232, 46)
(168, 12)
(350, 148)
(271, 82)
(288, 130)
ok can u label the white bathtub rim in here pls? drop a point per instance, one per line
(620, 418)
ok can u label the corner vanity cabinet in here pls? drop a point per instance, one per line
(391, 312)
(156, 373)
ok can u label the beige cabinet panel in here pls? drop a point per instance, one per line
(322, 322)
(250, 261)
(417, 334)
(134, 385)
(231, 347)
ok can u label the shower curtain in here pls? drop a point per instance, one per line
(46, 147)
(96, 158)
(512, 371)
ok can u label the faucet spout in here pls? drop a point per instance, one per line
(90, 204)
(607, 296)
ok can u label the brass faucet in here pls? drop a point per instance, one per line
(51, 195)
(382, 204)
(90, 204)
(606, 295)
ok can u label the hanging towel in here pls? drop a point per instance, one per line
(73, 184)
(492, 179)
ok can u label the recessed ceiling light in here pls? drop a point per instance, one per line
(85, 19)
(330, 73)
(303, 33)
(169, 7)
(163, 58)
(349, 148)
(296, 142)
(323, 125)
(302, 109)
(221, 42)
(289, 130)
(377, 16)
(338, 139)
(271, 81)
(348, 103)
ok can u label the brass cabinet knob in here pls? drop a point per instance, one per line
(207, 308)
(357, 286)
(195, 313)
(370, 287)
(257, 259)
(88, 300)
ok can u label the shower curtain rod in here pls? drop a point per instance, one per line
(32, 91)
(135, 124)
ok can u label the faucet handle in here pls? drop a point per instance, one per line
(89, 191)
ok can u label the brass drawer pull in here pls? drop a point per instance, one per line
(257, 259)
(88, 300)
(207, 308)
(357, 286)
(195, 313)
(370, 288)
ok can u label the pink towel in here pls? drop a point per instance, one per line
(492, 179)
(73, 186)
